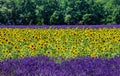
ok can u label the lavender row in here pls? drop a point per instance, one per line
(44, 66)
(60, 26)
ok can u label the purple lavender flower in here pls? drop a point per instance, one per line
(45, 66)
(60, 26)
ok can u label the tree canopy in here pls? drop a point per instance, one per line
(59, 12)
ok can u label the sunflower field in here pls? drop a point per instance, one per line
(60, 51)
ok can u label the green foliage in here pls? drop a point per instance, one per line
(88, 19)
(56, 18)
(42, 12)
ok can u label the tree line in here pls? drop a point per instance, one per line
(59, 12)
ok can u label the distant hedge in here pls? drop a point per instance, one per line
(59, 12)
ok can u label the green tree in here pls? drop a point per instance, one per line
(88, 19)
(27, 12)
(116, 13)
(45, 9)
(68, 19)
(5, 12)
(57, 18)
(45, 12)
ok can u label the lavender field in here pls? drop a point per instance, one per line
(44, 66)
(59, 26)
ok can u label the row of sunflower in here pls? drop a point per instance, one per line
(64, 43)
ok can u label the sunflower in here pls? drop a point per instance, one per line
(48, 52)
(58, 48)
(22, 55)
(3, 51)
(34, 49)
(73, 51)
(39, 43)
(2, 41)
(15, 47)
(7, 51)
(93, 54)
(74, 47)
(6, 40)
(25, 39)
(10, 43)
(32, 45)
(45, 43)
